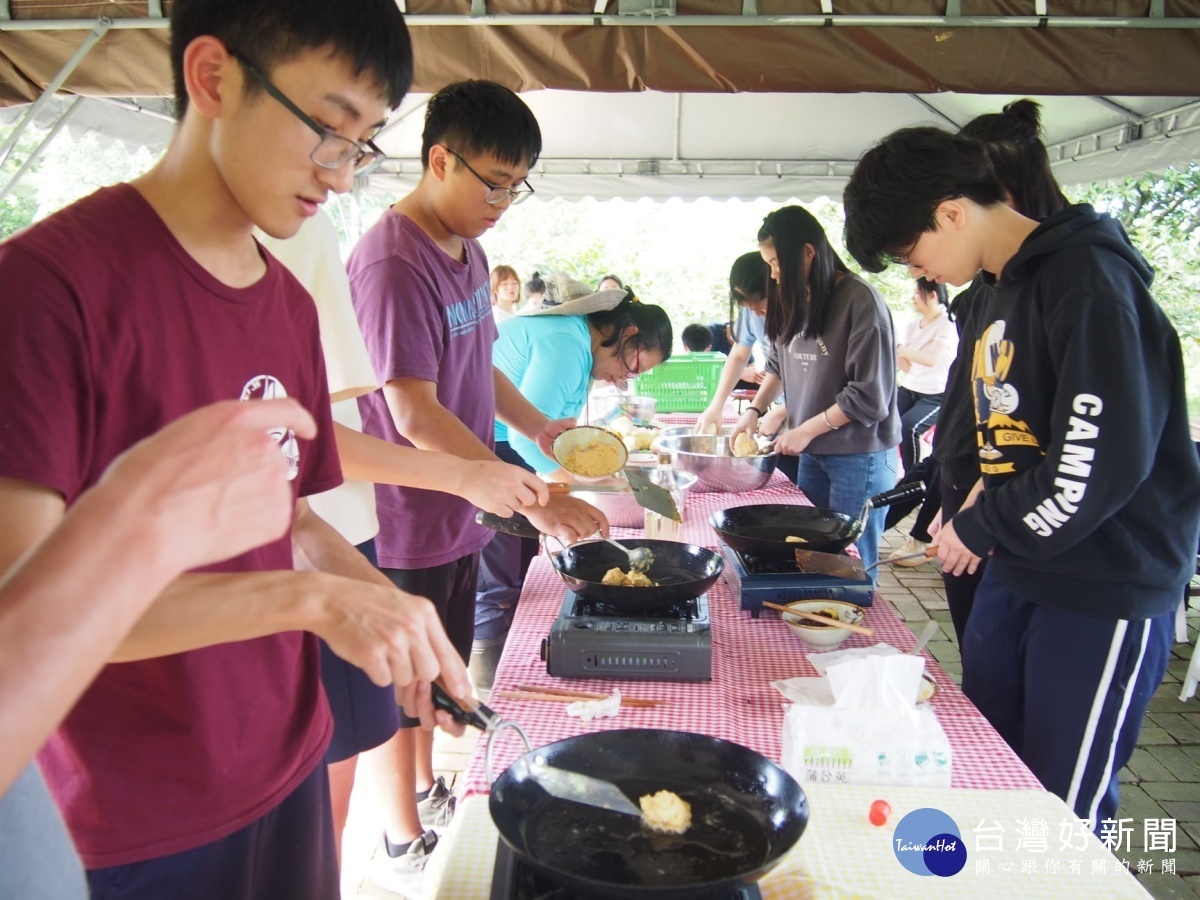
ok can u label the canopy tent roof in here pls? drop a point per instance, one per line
(721, 98)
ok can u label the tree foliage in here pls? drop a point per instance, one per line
(1161, 213)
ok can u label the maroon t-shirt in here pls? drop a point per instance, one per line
(109, 330)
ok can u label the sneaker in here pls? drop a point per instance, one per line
(436, 808)
(912, 545)
(404, 874)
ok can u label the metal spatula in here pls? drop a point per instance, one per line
(578, 788)
(651, 496)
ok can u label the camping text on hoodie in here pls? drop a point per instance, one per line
(1092, 498)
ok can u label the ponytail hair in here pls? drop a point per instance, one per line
(652, 323)
(1012, 139)
(535, 285)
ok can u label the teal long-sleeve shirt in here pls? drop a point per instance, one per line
(549, 359)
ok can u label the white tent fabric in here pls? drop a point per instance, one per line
(660, 145)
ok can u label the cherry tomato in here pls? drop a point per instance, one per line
(880, 810)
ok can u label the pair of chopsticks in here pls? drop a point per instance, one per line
(562, 695)
(823, 620)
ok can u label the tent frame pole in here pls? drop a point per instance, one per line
(100, 28)
(577, 20)
(40, 149)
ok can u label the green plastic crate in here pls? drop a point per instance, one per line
(684, 383)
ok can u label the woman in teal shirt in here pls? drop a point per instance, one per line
(552, 355)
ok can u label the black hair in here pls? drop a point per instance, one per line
(748, 279)
(653, 327)
(1019, 159)
(697, 338)
(927, 287)
(805, 291)
(370, 34)
(895, 189)
(610, 277)
(477, 117)
(534, 285)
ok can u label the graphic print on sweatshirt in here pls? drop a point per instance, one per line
(268, 387)
(996, 403)
(464, 316)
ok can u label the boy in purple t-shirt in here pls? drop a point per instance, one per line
(194, 765)
(420, 286)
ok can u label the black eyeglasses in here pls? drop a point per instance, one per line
(496, 193)
(333, 151)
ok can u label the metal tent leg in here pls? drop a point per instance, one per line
(40, 149)
(103, 24)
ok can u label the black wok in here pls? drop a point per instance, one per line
(763, 530)
(680, 571)
(747, 813)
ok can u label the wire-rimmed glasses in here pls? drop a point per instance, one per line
(333, 151)
(496, 193)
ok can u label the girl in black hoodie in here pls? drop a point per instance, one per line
(1089, 504)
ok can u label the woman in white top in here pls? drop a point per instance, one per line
(506, 292)
(929, 346)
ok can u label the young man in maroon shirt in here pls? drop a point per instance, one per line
(191, 767)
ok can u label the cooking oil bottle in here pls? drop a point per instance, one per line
(659, 527)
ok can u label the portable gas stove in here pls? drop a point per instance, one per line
(512, 879)
(589, 641)
(753, 580)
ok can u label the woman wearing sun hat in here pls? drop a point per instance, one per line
(552, 355)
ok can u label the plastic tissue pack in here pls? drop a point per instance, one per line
(859, 723)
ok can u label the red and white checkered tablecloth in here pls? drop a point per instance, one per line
(729, 416)
(739, 704)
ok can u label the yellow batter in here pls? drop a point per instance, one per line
(593, 460)
(666, 811)
(631, 578)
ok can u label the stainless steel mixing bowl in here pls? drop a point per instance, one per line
(718, 471)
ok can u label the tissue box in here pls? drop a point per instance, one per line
(829, 744)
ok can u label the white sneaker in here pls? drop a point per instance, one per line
(404, 874)
(437, 809)
(911, 546)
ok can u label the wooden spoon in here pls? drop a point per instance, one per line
(824, 620)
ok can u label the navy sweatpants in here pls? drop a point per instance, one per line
(285, 855)
(1066, 690)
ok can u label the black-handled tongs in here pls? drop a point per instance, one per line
(481, 717)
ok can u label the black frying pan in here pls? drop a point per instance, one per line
(763, 529)
(680, 571)
(747, 813)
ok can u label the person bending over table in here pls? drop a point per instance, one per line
(833, 357)
(748, 280)
(1089, 503)
(552, 356)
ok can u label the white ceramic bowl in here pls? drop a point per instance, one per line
(823, 637)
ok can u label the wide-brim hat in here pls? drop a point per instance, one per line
(567, 297)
